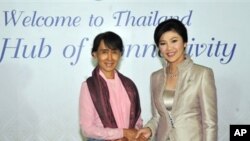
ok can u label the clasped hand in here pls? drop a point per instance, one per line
(135, 135)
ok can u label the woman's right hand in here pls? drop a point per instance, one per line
(143, 133)
(129, 134)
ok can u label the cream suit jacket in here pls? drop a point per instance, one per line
(194, 110)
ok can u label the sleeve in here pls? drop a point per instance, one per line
(153, 122)
(139, 123)
(208, 102)
(90, 122)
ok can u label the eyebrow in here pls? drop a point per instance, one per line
(174, 37)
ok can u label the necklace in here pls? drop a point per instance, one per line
(171, 74)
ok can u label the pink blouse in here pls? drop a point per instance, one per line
(90, 122)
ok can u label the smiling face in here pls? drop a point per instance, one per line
(172, 47)
(107, 59)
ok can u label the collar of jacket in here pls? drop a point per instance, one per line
(182, 66)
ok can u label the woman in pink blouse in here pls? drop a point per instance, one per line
(109, 101)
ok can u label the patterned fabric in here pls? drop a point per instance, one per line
(92, 139)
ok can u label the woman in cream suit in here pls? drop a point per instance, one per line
(183, 93)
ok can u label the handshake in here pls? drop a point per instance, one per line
(142, 134)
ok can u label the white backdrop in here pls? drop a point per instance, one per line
(45, 56)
